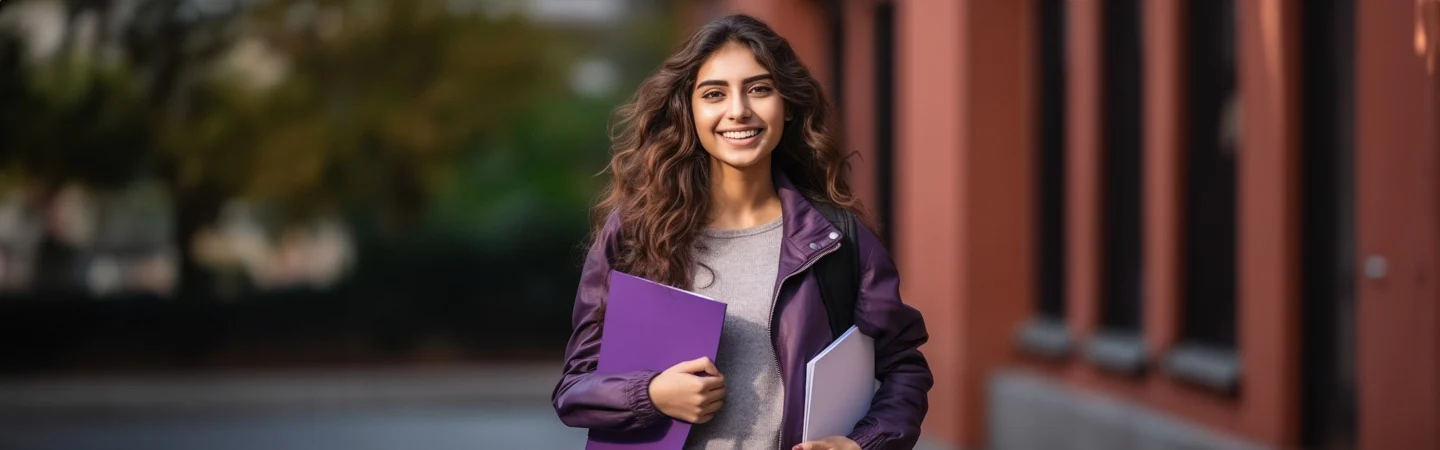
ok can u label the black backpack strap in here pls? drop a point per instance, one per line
(838, 272)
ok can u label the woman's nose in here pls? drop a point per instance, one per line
(739, 108)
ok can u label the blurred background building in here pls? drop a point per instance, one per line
(1153, 223)
(356, 223)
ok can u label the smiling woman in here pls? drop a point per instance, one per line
(665, 137)
(737, 112)
(733, 115)
(722, 165)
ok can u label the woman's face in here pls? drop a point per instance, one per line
(739, 115)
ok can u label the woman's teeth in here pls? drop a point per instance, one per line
(740, 134)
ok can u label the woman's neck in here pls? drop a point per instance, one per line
(742, 198)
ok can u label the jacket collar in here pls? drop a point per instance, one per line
(807, 232)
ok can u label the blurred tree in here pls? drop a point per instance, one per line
(69, 116)
(308, 105)
(374, 110)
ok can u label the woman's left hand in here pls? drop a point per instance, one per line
(829, 443)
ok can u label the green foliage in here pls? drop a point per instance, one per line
(544, 170)
(394, 107)
(378, 112)
(70, 120)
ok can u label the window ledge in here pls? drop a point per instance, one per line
(1044, 336)
(1117, 351)
(1206, 365)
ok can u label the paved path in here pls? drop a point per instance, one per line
(432, 428)
(470, 408)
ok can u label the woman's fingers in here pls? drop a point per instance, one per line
(828, 443)
(697, 365)
(712, 382)
(711, 396)
(712, 407)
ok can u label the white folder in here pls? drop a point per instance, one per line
(839, 383)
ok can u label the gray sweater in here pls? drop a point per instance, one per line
(742, 266)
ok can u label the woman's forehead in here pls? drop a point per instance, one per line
(732, 62)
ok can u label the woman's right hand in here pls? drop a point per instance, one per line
(681, 392)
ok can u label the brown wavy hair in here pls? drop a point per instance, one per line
(660, 174)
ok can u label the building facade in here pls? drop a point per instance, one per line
(1151, 223)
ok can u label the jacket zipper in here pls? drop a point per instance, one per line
(775, 348)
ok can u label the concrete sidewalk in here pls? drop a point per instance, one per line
(282, 389)
(470, 408)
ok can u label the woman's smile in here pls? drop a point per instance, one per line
(742, 137)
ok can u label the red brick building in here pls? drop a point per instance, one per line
(1165, 223)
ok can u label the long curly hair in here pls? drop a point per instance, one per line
(660, 180)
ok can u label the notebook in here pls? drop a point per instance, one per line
(651, 326)
(839, 384)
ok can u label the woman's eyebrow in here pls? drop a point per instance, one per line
(751, 79)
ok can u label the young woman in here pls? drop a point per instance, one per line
(717, 164)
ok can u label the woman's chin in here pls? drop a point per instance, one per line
(742, 160)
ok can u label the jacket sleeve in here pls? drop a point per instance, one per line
(899, 407)
(582, 398)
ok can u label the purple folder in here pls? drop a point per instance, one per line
(652, 326)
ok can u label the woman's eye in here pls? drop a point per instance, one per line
(762, 89)
(711, 94)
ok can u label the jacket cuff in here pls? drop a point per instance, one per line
(646, 413)
(868, 438)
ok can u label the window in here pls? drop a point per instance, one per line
(835, 24)
(1118, 346)
(1328, 409)
(1210, 181)
(1205, 354)
(885, 117)
(1046, 334)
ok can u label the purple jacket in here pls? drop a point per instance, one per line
(799, 330)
